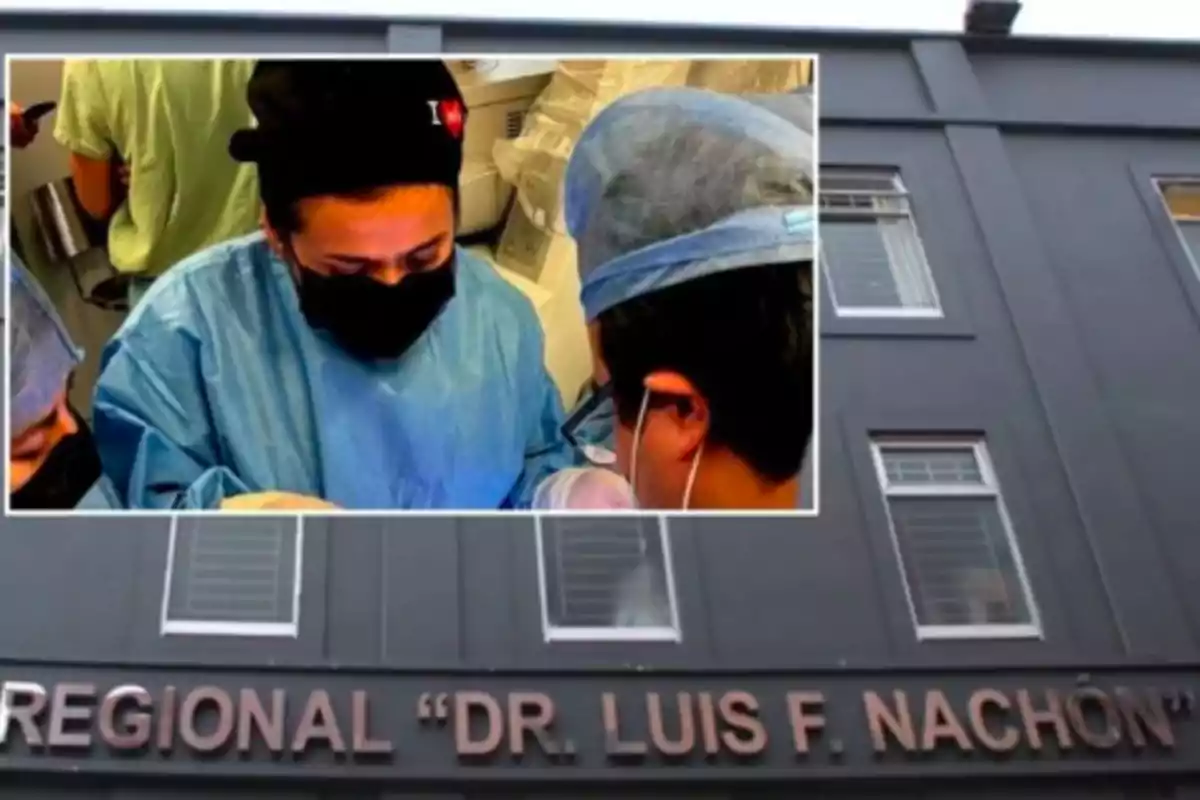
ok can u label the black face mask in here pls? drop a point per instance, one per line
(71, 469)
(372, 320)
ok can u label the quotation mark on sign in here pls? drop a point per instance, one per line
(434, 707)
(1179, 701)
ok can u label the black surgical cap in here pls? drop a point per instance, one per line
(336, 127)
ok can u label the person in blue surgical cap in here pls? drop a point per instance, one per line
(350, 355)
(52, 461)
(693, 216)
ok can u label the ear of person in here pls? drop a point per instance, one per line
(665, 382)
(690, 415)
(691, 407)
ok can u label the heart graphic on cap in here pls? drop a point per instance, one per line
(450, 112)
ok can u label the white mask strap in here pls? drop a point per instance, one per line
(637, 443)
(637, 448)
(691, 481)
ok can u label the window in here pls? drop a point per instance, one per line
(958, 556)
(872, 255)
(233, 576)
(1182, 198)
(606, 579)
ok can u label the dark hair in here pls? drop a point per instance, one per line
(744, 339)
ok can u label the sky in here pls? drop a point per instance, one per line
(1132, 19)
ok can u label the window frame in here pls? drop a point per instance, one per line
(989, 489)
(179, 627)
(891, 175)
(1146, 175)
(1160, 184)
(557, 633)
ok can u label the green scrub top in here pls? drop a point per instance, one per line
(170, 122)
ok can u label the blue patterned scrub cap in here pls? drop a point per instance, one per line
(667, 185)
(42, 354)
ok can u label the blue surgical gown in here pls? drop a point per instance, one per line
(216, 386)
(101, 497)
(595, 428)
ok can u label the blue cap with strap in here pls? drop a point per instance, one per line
(42, 352)
(668, 185)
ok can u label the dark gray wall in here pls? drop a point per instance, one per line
(1070, 341)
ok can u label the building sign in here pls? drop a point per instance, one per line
(660, 727)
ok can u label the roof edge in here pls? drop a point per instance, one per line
(753, 38)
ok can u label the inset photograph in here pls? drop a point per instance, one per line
(411, 284)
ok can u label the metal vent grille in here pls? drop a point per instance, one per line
(234, 570)
(860, 260)
(872, 252)
(605, 573)
(958, 563)
(959, 559)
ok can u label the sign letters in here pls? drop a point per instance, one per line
(731, 726)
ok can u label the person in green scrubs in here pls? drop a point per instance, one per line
(148, 140)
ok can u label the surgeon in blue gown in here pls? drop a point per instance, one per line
(350, 355)
(693, 216)
(52, 463)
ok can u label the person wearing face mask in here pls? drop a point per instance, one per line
(693, 216)
(52, 461)
(351, 354)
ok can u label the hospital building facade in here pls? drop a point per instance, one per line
(999, 598)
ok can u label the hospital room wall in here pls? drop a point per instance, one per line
(43, 161)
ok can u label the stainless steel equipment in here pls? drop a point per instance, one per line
(65, 235)
(58, 222)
